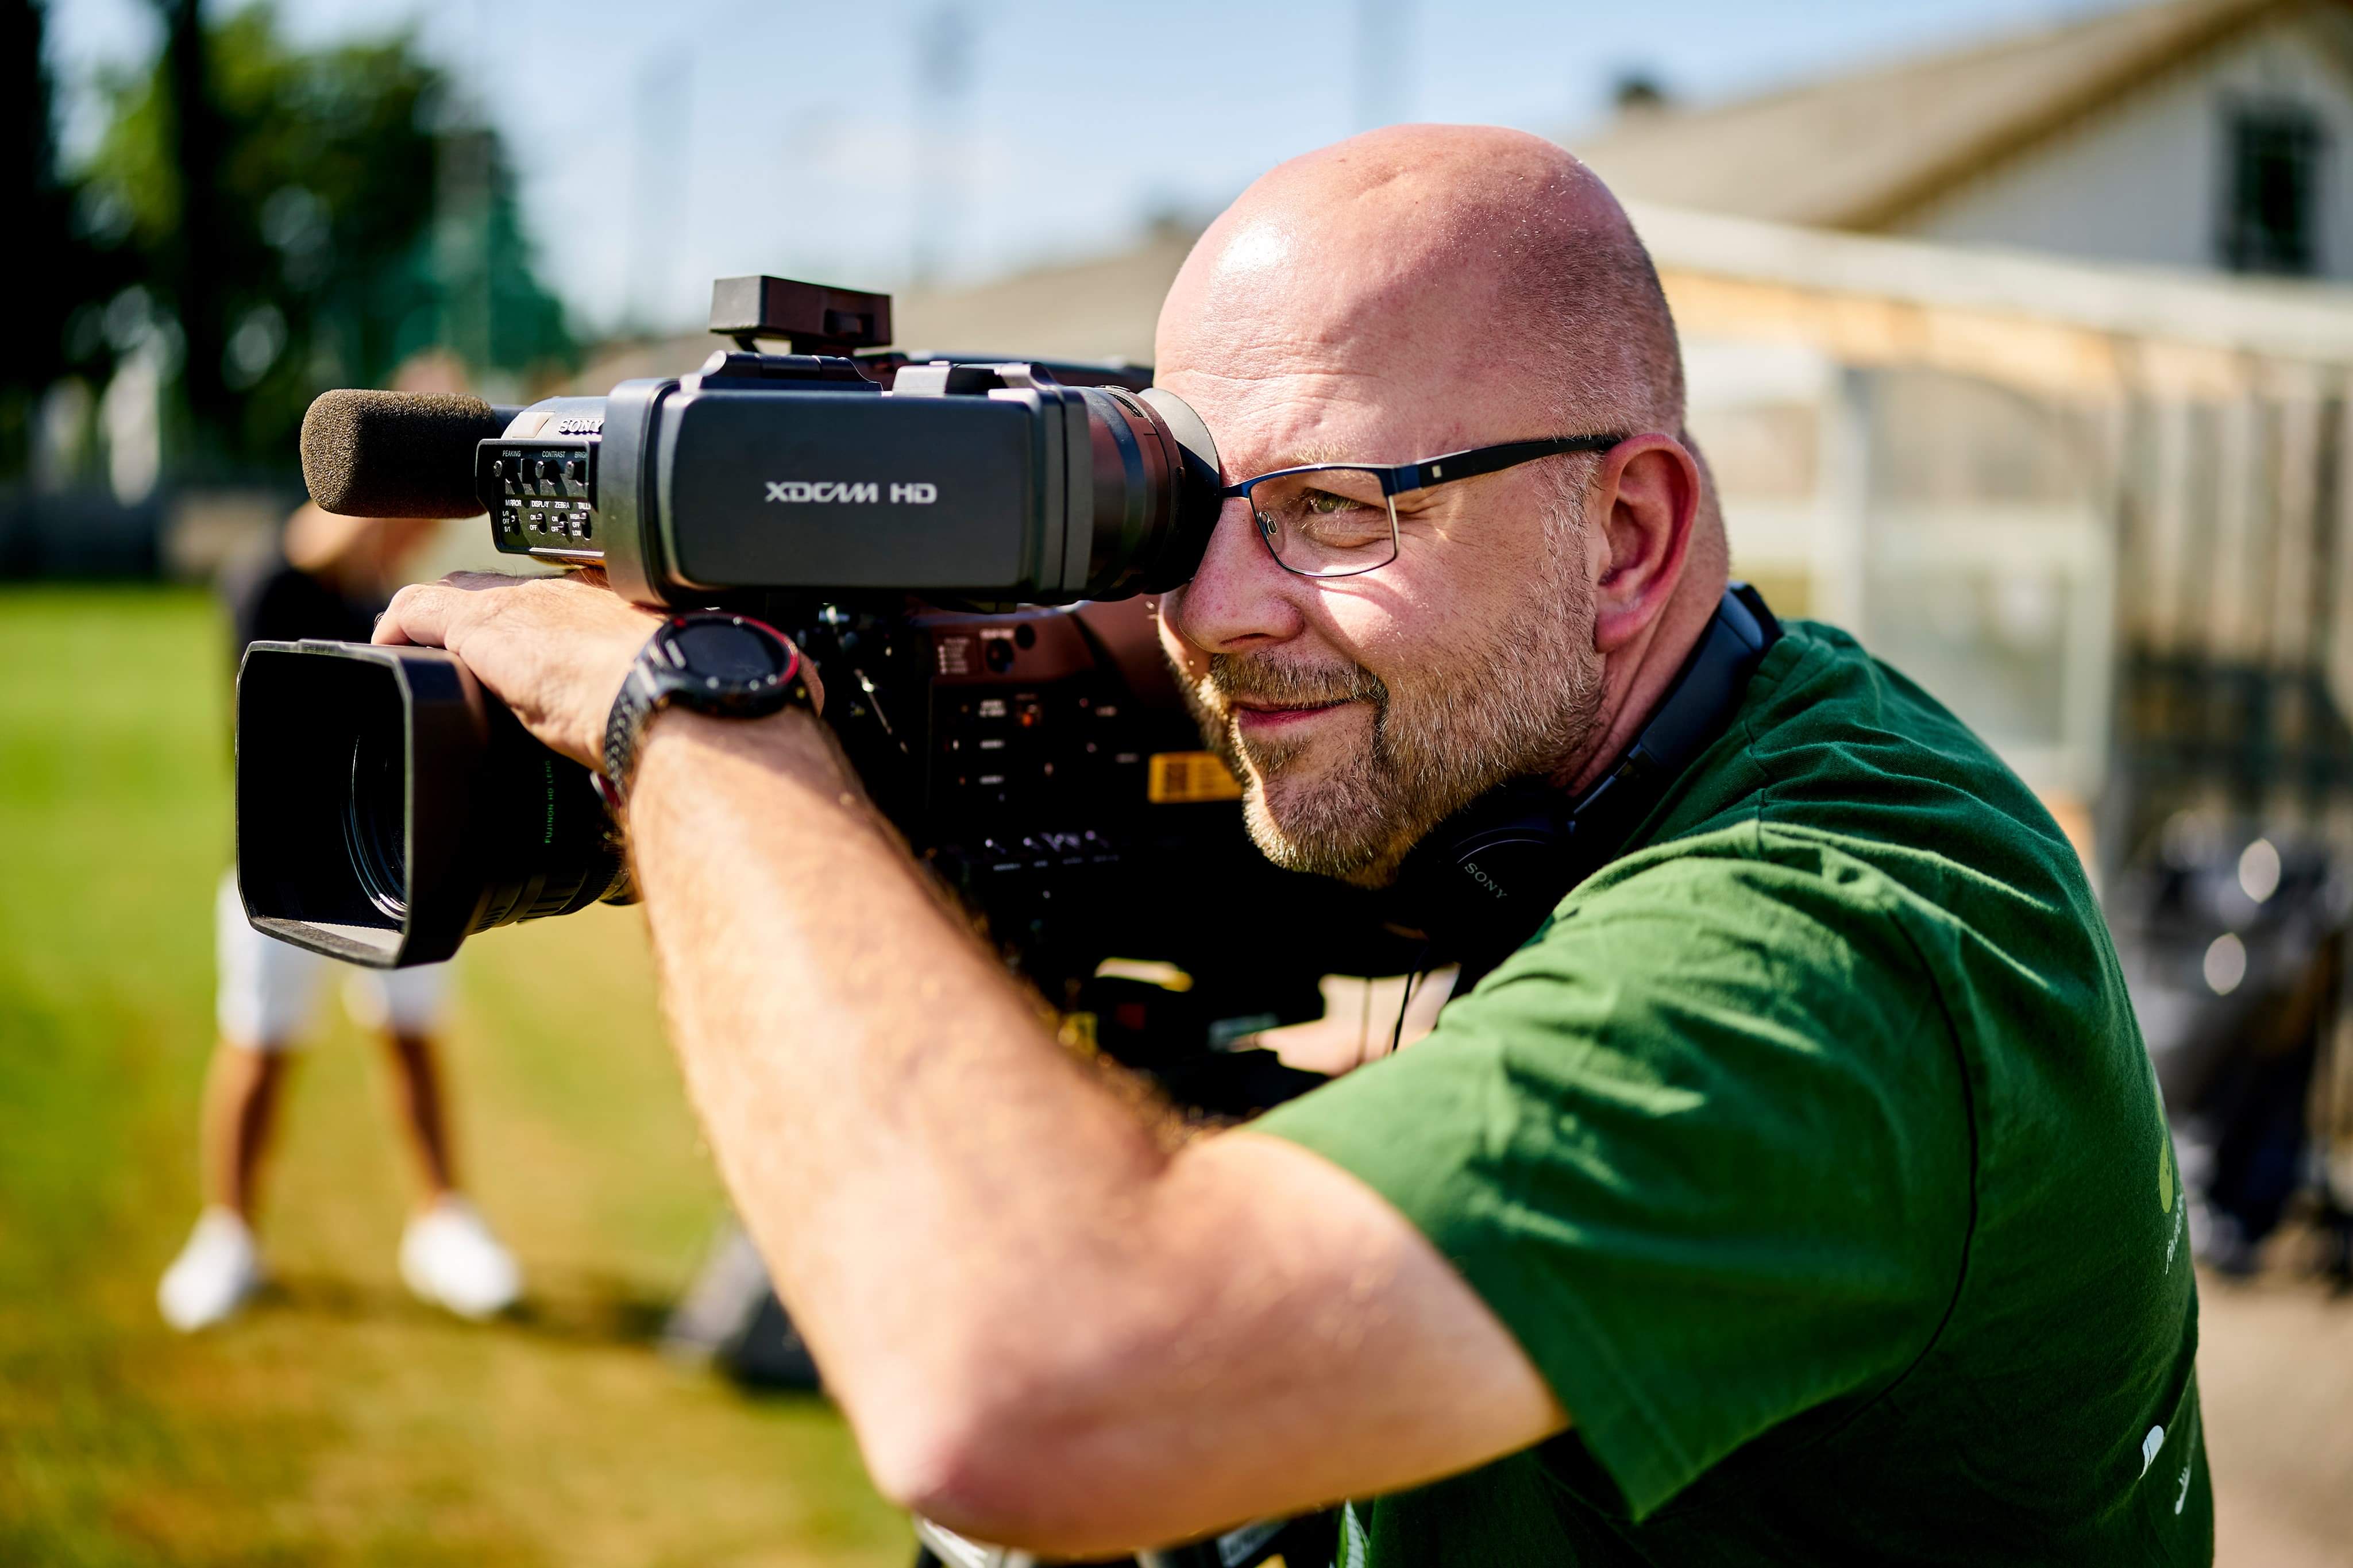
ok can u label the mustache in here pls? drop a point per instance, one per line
(1233, 678)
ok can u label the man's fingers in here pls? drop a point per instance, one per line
(425, 613)
(412, 617)
(554, 650)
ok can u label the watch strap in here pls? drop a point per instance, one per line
(652, 685)
(625, 726)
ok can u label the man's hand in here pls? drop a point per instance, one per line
(554, 650)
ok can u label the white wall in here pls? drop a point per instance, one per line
(2144, 180)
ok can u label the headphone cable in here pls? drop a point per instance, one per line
(1413, 978)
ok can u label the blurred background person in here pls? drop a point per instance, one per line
(328, 578)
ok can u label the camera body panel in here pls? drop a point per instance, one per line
(960, 496)
(962, 482)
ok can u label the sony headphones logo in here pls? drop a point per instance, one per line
(1484, 880)
(870, 492)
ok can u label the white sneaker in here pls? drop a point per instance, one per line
(216, 1274)
(449, 1258)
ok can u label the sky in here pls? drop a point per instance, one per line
(661, 146)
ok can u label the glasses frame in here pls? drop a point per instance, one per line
(1401, 478)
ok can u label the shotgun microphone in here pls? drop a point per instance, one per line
(396, 454)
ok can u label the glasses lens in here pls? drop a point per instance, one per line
(1326, 523)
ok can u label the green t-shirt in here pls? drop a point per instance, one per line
(1810, 1151)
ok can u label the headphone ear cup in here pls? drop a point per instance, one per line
(1485, 878)
(1481, 882)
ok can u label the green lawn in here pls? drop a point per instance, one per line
(339, 1422)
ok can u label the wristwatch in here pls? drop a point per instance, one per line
(730, 666)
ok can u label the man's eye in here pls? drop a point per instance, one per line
(1351, 524)
(1324, 503)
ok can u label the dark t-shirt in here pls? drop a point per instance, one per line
(270, 600)
(1810, 1151)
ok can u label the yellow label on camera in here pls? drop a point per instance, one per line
(1182, 778)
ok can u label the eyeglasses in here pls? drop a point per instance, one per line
(1339, 520)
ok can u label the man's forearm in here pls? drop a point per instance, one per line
(890, 1112)
(1041, 1326)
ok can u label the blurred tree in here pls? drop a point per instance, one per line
(195, 259)
(57, 266)
(300, 228)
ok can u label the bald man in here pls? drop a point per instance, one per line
(1797, 1193)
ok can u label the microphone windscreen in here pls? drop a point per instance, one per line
(395, 454)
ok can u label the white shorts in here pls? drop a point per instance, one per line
(268, 988)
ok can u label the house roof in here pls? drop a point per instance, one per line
(1862, 151)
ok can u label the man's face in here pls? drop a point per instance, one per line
(1360, 712)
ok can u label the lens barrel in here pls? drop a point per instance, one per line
(388, 807)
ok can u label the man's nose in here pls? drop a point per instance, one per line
(1239, 597)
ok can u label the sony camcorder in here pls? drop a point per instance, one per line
(959, 542)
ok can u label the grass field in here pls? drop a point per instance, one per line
(340, 1422)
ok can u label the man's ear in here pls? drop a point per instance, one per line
(1650, 487)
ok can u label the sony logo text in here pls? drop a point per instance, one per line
(844, 491)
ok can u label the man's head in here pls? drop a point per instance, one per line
(360, 555)
(1404, 294)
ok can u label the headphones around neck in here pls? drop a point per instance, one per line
(1481, 882)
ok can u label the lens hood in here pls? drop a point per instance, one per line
(388, 807)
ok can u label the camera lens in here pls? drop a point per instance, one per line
(375, 822)
(388, 807)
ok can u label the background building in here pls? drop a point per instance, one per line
(2199, 133)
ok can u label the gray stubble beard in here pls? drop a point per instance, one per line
(1523, 700)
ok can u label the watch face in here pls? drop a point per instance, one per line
(734, 656)
(724, 665)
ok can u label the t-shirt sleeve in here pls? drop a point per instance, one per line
(1702, 1145)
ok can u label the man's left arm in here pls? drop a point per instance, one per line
(1045, 1329)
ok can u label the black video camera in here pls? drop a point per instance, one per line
(958, 543)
